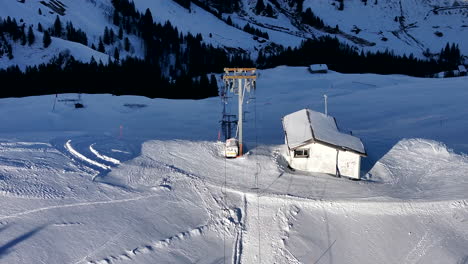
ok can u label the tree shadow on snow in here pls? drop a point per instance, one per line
(7, 247)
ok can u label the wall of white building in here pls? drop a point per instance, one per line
(323, 159)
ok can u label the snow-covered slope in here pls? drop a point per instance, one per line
(37, 54)
(417, 27)
(136, 180)
(90, 16)
(408, 26)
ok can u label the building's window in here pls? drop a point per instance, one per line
(301, 153)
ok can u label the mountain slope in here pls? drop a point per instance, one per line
(416, 26)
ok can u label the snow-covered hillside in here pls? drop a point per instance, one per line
(402, 26)
(134, 180)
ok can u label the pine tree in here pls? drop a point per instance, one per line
(39, 27)
(10, 52)
(92, 62)
(116, 18)
(147, 35)
(46, 39)
(23, 36)
(31, 37)
(341, 6)
(269, 11)
(229, 21)
(39, 11)
(127, 44)
(120, 33)
(116, 54)
(147, 25)
(101, 46)
(259, 7)
(106, 37)
(111, 35)
(57, 27)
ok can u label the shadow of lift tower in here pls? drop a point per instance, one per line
(237, 81)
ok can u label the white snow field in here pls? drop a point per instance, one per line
(129, 179)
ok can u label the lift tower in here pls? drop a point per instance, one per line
(239, 81)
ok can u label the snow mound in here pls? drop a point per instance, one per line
(423, 168)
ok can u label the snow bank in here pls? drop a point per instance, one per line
(423, 169)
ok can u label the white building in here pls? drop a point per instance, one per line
(318, 68)
(315, 144)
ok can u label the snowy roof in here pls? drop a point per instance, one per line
(461, 68)
(318, 67)
(306, 126)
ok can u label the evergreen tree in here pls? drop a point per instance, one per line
(269, 11)
(259, 7)
(106, 37)
(308, 17)
(39, 27)
(23, 36)
(116, 18)
(184, 3)
(120, 33)
(116, 54)
(341, 6)
(147, 25)
(93, 47)
(111, 35)
(229, 21)
(46, 39)
(101, 46)
(10, 52)
(127, 44)
(57, 32)
(92, 62)
(147, 35)
(39, 11)
(31, 37)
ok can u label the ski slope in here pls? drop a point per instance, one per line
(129, 179)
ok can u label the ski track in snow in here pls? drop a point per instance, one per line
(28, 212)
(420, 249)
(103, 157)
(75, 153)
(147, 248)
(220, 220)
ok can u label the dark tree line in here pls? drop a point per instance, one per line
(261, 9)
(68, 33)
(176, 65)
(255, 31)
(450, 55)
(129, 77)
(184, 3)
(308, 17)
(9, 27)
(344, 58)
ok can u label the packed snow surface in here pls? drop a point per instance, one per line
(129, 179)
